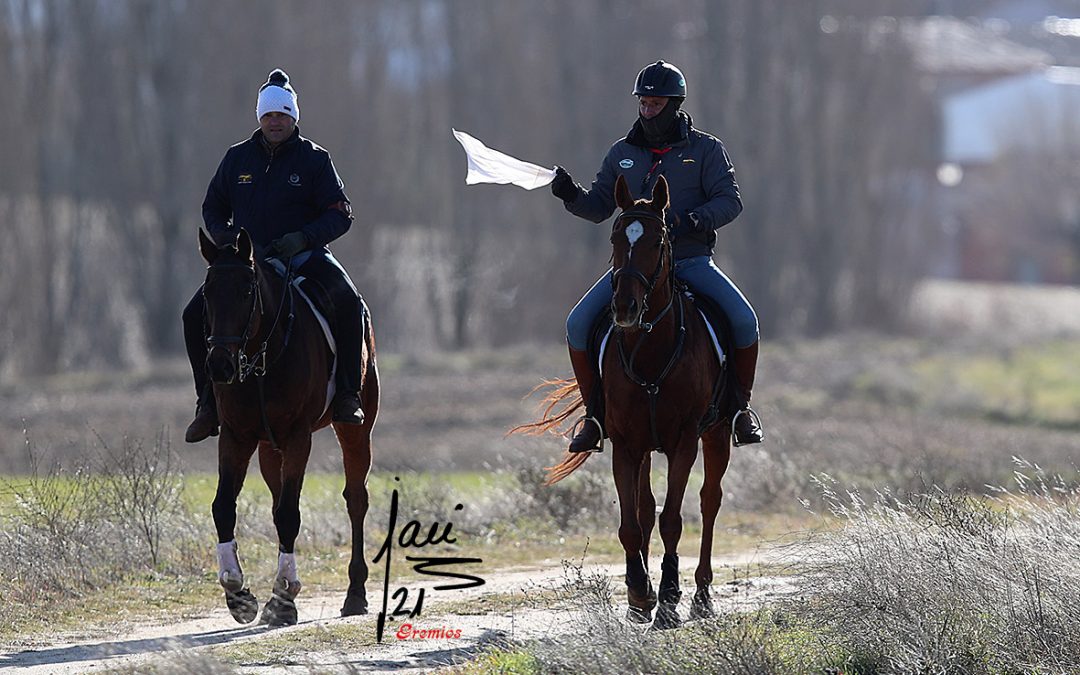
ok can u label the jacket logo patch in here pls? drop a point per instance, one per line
(294, 180)
(626, 163)
(244, 179)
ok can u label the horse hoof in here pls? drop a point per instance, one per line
(639, 616)
(278, 611)
(667, 617)
(702, 607)
(644, 601)
(355, 605)
(242, 605)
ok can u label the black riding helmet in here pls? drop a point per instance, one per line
(660, 79)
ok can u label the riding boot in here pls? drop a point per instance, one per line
(590, 436)
(746, 425)
(347, 335)
(205, 423)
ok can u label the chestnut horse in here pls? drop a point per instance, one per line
(660, 376)
(270, 364)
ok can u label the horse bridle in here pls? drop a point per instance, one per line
(257, 363)
(649, 283)
(652, 389)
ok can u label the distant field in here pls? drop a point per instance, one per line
(997, 312)
(444, 411)
(994, 370)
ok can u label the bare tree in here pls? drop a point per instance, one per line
(118, 136)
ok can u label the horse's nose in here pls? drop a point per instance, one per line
(625, 314)
(221, 366)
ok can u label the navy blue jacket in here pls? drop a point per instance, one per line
(700, 177)
(270, 193)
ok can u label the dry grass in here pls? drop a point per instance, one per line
(940, 582)
(934, 582)
(69, 531)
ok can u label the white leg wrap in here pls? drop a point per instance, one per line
(286, 566)
(228, 563)
(286, 570)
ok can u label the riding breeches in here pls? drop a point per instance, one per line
(700, 274)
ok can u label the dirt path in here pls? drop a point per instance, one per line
(217, 632)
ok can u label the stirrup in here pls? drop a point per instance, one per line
(757, 420)
(579, 427)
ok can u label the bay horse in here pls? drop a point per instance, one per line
(270, 364)
(661, 374)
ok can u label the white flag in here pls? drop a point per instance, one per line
(491, 166)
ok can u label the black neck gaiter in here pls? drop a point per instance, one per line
(659, 130)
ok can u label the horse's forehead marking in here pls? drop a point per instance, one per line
(633, 232)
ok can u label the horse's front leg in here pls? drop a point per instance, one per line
(646, 508)
(716, 448)
(280, 609)
(680, 462)
(639, 591)
(234, 456)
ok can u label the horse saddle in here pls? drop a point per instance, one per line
(322, 306)
(726, 400)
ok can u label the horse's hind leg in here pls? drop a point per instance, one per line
(639, 591)
(233, 459)
(680, 462)
(355, 441)
(716, 448)
(280, 610)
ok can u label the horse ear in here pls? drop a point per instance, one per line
(243, 245)
(660, 194)
(207, 247)
(622, 193)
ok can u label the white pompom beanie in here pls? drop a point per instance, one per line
(277, 95)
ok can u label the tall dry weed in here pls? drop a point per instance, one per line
(70, 530)
(940, 582)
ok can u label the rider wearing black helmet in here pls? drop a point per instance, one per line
(704, 197)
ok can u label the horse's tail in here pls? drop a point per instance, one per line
(567, 466)
(561, 392)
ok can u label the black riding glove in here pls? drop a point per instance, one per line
(289, 245)
(564, 186)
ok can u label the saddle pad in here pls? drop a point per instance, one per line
(715, 341)
(325, 325)
(712, 335)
